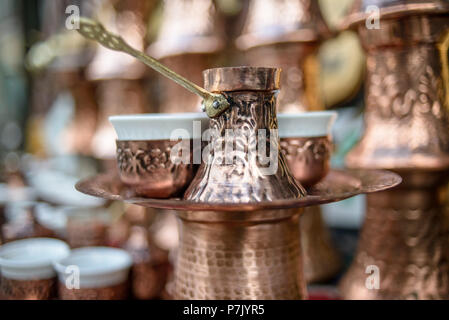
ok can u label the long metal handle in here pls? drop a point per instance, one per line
(443, 47)
(213, 103)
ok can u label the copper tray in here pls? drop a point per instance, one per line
(338, 185)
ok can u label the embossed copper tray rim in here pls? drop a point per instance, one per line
(356, 18)
(363, 181)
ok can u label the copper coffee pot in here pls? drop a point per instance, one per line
(288, 34)
(407, 101)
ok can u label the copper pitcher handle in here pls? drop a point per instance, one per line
(443, 48)
(213, 103)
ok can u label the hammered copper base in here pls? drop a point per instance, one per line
(235, 260)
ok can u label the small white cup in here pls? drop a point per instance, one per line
(94, 273)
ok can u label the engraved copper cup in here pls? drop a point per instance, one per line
(306, 143)
(407, 98)
(144, 151)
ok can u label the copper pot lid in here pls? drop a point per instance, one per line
(280, 21)
(360, 10)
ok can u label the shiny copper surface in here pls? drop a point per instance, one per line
(118, 96)
(147, 167)
(322, 261)
(174, 98)
(39, 289)
(280, 21)
(309, 161)
(405, 235)
(300, 91)
(236, 198)
(287, 34)
(251, 94)
(115, 292)
(182, 32)
(214, 104)
(393, 9)
(405, 232)
(187, 45)
(242, 79)
(150, 264)
(336, 186)
(265, 264)
(307, 158)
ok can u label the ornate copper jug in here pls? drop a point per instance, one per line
(287, 34)
(405, 234)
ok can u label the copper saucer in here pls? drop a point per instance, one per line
(338, 185)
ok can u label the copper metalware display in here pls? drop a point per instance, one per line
(266, 263)
(234, 191)
(405, 234)
(287, 34)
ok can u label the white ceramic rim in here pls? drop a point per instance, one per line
(50, 251)
(157, 126)
(96, 275)
(306, 124)
(14, 194)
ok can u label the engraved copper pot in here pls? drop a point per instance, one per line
(405, 231)
(224, 255)
(288, 34)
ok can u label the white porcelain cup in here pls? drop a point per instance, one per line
(94, 273)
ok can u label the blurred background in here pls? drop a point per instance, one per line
(57, 91)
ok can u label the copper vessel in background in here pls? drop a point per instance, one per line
(287, 34)
(405, 234)
(188, 44)
(119, 78)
